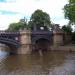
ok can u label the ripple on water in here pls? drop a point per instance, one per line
(54, 63)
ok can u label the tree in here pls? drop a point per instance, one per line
(40, 18)
(16, 26)
(67, 28)
(69, 10)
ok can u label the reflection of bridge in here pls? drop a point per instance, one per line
(24, 41)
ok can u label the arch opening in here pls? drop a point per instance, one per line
(13, 45)
(42, 44)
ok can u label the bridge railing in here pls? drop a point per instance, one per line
(10, 35)
(9, 32)
(42, 32)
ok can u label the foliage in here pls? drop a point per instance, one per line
(17, 26)
(69, 10)
(67, 28)
(37, 18)
(40, 18)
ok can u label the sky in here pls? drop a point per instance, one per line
(13, 10)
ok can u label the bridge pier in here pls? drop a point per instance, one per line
(24, 49)
(25, 41)
(58, 39)
(57, 36)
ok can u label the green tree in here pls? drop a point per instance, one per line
(40, 18)
(67, 28)
(37, 18)
(17, 26)
(69, 10)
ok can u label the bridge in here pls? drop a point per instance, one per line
(26, 41)
(10, 38)
(41, 39)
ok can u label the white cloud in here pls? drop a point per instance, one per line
(5, 20)
(27, 7)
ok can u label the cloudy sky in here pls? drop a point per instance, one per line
(13, 10)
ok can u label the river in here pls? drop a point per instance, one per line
(50, 63)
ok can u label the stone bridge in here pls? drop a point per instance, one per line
(26, 41)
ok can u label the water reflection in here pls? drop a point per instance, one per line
(3, 55)
(51, 63)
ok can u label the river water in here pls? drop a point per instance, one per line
(50, 63)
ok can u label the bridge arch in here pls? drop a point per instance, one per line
(10, 39)
(9, 42)
(12, 44)
(41, 44)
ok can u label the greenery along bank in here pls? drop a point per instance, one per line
(69, 10)
(37, 18)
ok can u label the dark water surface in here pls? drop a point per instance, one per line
(50, 63)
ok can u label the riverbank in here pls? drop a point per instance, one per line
(69, 47)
